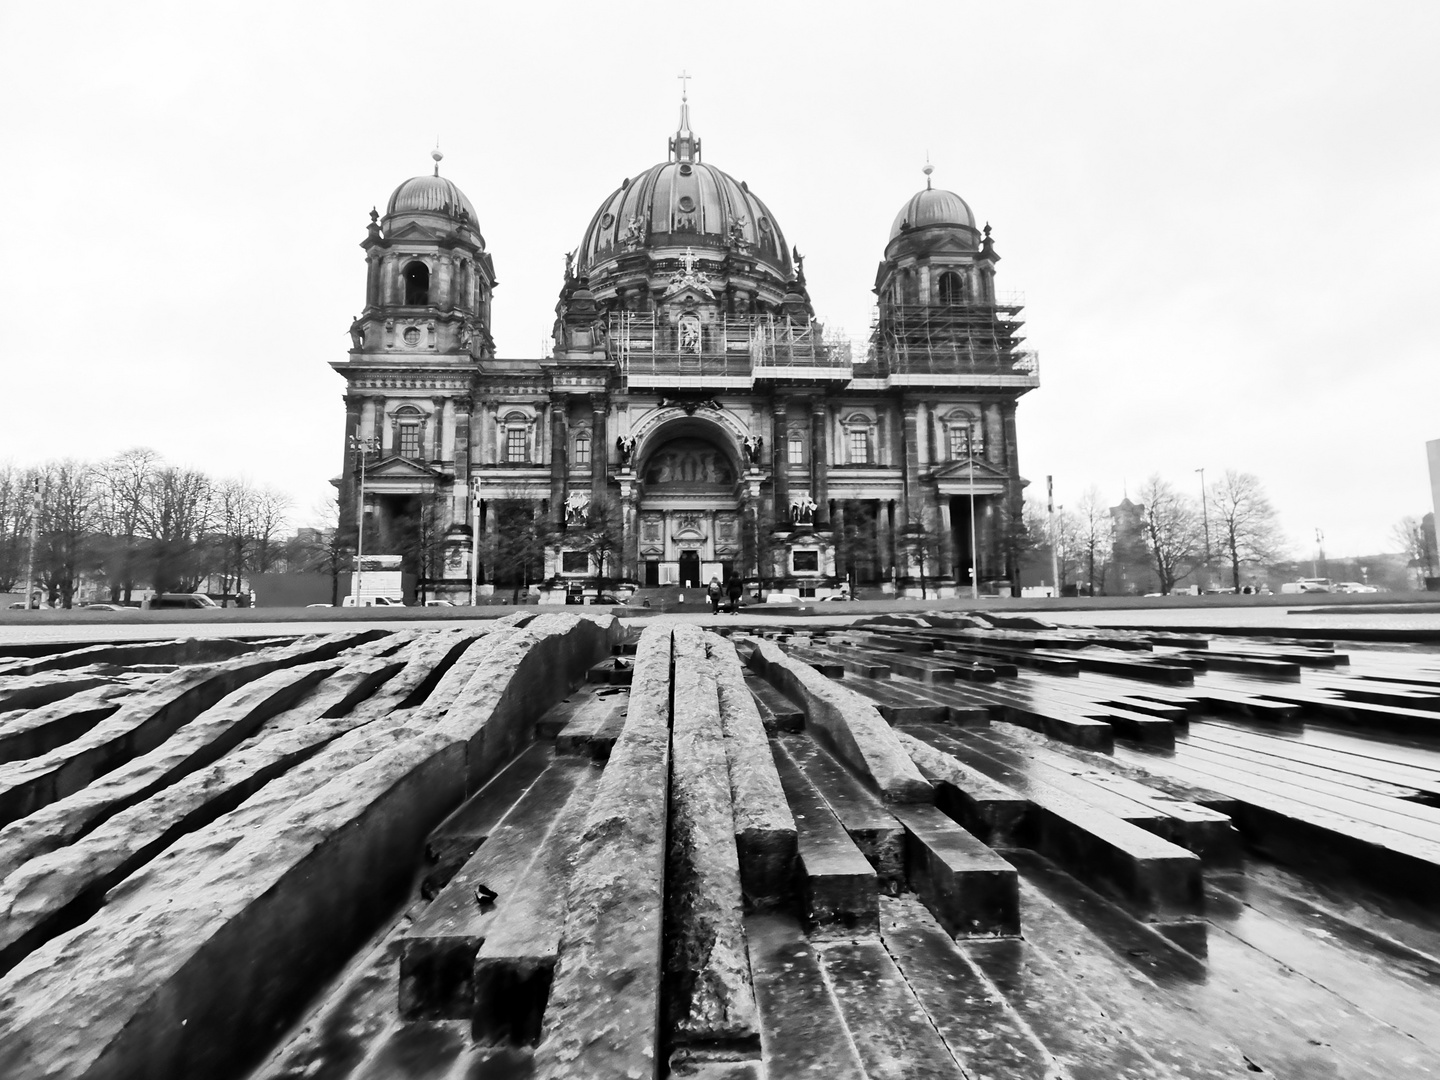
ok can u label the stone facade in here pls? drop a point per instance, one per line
(691, 398)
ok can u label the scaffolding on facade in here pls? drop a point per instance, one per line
(732, 350)
(966, 339)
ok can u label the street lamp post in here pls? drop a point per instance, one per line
(1205, 516)
(34, 535)
(974, 548)
(361, 447)
(474, 540)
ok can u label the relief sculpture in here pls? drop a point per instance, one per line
(689, 461)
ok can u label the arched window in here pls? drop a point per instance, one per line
(416, 276)
(952, 289)
(582, 448)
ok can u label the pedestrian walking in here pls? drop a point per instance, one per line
(714, 592)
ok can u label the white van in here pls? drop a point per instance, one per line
(373, 601)
(1307, 585)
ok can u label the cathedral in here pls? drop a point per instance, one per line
(693, 420)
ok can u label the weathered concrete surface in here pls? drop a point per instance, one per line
(437, 955)
(847, 723)
(38, 894)
(460, 835)
(707, 970)
(193, 745)
(838, 886)
(971, 890)
(516, 964)
(893, 1034)
(876, 832)
(603, 1019)
(203, 955)
(494, 717)
(994, 813)
(147, 720)
(178, 651)
(32, 691)
(28, 733)
(595, 725)
(802, 1032)
(984, 1033)
(764, 826)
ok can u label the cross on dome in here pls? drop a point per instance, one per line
(685, 146)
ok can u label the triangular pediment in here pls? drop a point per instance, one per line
(413, 230)
(399, 468)
(962, 470)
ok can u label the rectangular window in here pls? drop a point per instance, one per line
(582, 451)
(806, 561)
(575, 562)
(959, 442)
(859, 447)
(515, 444)
(410, 441)
(797, 450)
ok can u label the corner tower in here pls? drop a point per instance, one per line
(415, 351)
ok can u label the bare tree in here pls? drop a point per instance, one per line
(178, 510)
(69, 514)
(1417, 544)
(1244, 521)
(16, 501)
(1094, 536)
(513, 546)
(602, 536)
(124, 485)
(1173, 531)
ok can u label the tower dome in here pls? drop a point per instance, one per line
(433, 195)
(930, 215)
(684, 203)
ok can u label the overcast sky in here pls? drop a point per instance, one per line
(1224, 218)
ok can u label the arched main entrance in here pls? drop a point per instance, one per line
(689, 504)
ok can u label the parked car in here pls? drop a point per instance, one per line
(180, 600)
(374, 601)
(1353, 586)
(105, 606)
(438, 603)
(1307, 585)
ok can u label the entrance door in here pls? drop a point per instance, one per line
(690, 568)
(652, 573)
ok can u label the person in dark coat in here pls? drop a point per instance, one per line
(734, 589)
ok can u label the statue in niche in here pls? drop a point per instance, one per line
(626, 445)
(802, 509)
(753, 444)
(577, 508)
(689, 334)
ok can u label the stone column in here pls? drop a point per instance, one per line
(462, 442)
(994, 435)
(780, 475)
(630, 532)
(439, 439)
(599, 448)
(820, 463)
(372, 279)
(910, 450)
(884, 548)
(842, 553)
(378, 425)
(947, 539)
(353, 407)
(442, 295)
(559, 486)
(489, 431)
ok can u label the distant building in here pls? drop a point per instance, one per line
(691, 391)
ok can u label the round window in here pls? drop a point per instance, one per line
(686, 170)
(687, 204)
(764, 224)
(607, 221)
(412, 335)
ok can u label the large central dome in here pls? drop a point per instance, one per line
(684, 203)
